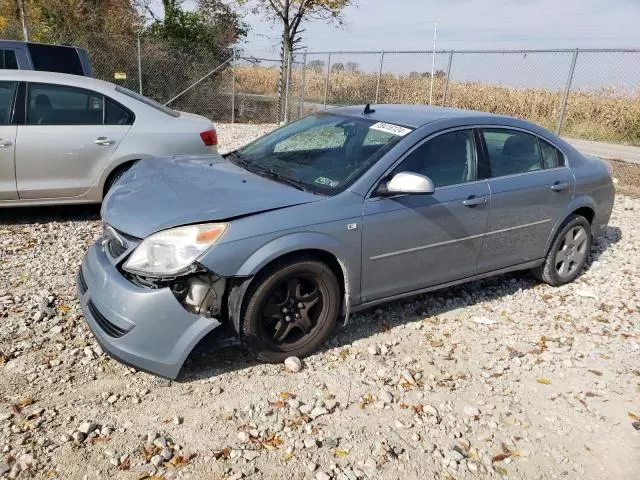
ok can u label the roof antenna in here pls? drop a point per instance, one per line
(368, 110)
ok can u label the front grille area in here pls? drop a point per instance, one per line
(109, 328)
(82, 283)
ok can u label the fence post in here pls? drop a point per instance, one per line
(302, 84)
(139, 66)
(287, 87)
(233, 87)
(379, 76)
(326, 81)
(446, 79)
(563, 107)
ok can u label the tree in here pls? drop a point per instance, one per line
(316, 65)
(292, 14)
(67, 20)
(337, 67)
(353, 67)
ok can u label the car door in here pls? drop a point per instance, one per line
(530, 187)
(65, 141)
(8, 92)
(411, 242)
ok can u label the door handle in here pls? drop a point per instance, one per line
(5, 144)
(103, 141)
(474, 201)
(560, 186)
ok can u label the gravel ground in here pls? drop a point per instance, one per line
(503, 378)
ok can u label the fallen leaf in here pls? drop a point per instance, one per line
(340, 453)
(125, 465)
(544, 381)
(272, 443)
(417, 409)
(595, 372)
(500, 457)
(25, 402)
(64, 309)
(500, 470)
(286, 395)
(288, 457)
(633, 416)
(403, 406)
(94, 440)
(279, 404)
(181, 460)
(224, 453)
(436, 343)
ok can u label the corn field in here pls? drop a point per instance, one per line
(604, 115)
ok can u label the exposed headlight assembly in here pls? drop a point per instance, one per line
(171, 252)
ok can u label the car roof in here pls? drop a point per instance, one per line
(54, 77)
(410, 115)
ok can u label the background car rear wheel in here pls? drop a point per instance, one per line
(568, 253)
(291, 309)
(116, 175)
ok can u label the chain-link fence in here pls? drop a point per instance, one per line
(586, 94)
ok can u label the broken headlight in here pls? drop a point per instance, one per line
(173, 251)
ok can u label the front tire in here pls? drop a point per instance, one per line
(291, 309)
(568, 253)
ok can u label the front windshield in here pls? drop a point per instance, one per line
(322, 153)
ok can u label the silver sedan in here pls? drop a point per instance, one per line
(67, 138)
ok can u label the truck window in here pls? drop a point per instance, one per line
(55, 58)
(8, 60)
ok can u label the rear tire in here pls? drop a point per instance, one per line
(115, 176)
(291, 309)
(568, 253)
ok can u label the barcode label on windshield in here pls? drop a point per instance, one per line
(391, 128)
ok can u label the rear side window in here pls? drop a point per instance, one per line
(55, 58)
(116, 114)
(8, 60)
(62, 105)
(511, 152)
(551, 156)
(7, 96)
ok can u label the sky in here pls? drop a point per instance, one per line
(470, 24)
(389, 25)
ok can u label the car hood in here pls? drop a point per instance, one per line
(161, 193)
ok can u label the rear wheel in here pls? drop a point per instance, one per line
(115, 176)
(291, 310)
(568, 253)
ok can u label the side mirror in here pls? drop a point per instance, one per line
(407, 183)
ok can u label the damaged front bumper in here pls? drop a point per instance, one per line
(146, 328)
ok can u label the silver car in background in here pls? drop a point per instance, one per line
(67, 138)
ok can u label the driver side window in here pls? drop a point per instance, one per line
(447, 159)
(321, 137)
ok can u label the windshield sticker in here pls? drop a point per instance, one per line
(326, 181)
(391, 128)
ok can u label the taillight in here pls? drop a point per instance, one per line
(210, 138)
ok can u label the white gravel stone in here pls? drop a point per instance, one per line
(293, 364)
(87, 427)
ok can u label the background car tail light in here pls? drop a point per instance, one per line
(210, 138)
